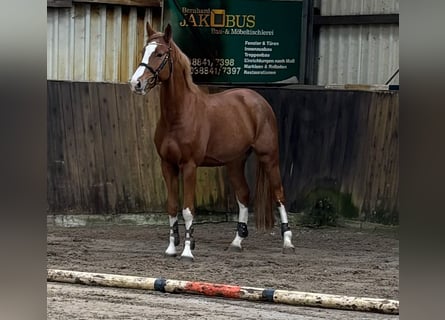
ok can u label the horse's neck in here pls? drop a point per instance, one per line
(177, 96)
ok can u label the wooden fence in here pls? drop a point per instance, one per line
(101, 156)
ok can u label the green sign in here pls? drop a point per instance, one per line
(238, 41)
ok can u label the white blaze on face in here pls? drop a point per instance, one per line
(149, 49)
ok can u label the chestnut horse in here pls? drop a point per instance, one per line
(199, 129)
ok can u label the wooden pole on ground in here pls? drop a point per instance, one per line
(296, 298)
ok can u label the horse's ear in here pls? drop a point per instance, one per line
(150, 30)
(168, 33)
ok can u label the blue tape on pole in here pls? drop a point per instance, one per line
(267, 294)
(160, 284)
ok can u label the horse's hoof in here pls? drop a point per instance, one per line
(186, 259)
(289, 250)
(234, 248)
(170, 255)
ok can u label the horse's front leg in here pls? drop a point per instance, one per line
(171, 173)
(188, 211)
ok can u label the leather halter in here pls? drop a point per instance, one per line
(153, 81)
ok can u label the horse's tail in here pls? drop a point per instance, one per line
(264, 216)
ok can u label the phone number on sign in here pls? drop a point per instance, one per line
(214, 67)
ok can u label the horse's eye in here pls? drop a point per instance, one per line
(159, 55)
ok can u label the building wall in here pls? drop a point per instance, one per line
(358, 54)
(96, 42)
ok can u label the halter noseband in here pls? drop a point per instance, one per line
(155, 79)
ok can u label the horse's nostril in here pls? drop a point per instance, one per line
(138, 85)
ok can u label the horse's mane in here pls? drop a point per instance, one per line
(184, 62)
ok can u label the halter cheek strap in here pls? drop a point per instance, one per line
(156, 72)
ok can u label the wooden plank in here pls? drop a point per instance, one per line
(56, 190)
(107, 161)
(111, 144)
(129, 138)
(133, 3)
(80, 103)
(59, 3)
(70, 148)
(154, 114)
(97, 189)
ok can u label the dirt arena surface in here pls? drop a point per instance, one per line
(349, 261)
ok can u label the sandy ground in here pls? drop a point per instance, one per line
(349, 261)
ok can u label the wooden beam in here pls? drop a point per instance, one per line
(357, 19)
(59, 3)
(133, 3)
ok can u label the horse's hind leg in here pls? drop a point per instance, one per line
(267, 152)
(235, 170)
(278, 195)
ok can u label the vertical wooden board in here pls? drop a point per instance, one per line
(90, 142)
(97, 190)
(154, 113)
(379, 131)
(382, 150)
(111, 144)
(56, 189)
(393, 170)
(70, 148)
(361, 168)
(340, 158)
(131, 184)
(140, 196)
(142, 151)
(63, 42)
(389, 152)
(127, 50)
(80, 102)
(330, 131)
(353, 138)
(146, 135)
(210, 191)
(80, 62)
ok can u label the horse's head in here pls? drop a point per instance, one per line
(156, 64)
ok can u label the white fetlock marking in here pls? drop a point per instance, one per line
(188, 219)
(187, 252)
(171, 250)
(172, 221)
(237, 241)
(287, 239)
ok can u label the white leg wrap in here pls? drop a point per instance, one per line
(283, 213)
(188, 219)
(171, 249)
(287, 235)
(243, 216)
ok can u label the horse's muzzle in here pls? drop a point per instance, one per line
(144, 86)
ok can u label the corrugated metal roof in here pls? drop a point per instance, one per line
(90, 42)
(350, 7)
